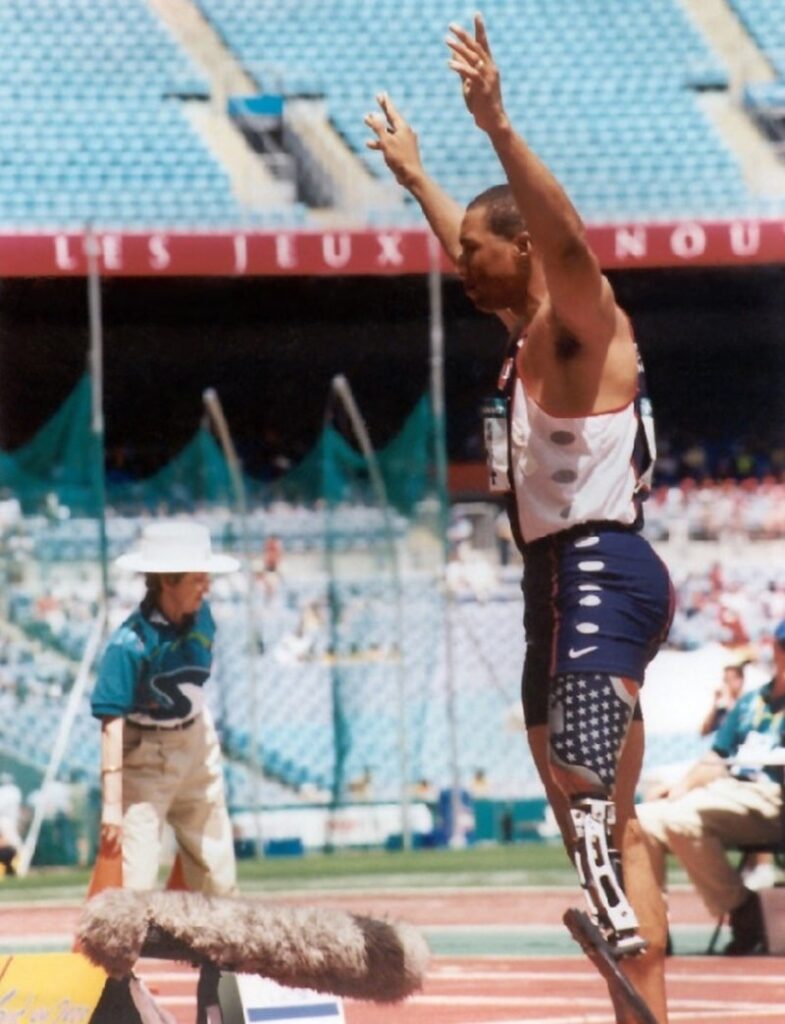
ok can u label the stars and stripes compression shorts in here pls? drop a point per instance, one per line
(597, 599)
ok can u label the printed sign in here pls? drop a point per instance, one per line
(48, 988)
(266, 1002)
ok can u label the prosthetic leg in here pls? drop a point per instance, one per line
(599, 868)
(584, 755)
(610, 930)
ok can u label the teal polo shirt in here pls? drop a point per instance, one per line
(154, 671)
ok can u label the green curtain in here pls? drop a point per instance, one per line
(198, 474)
(57, 459)
(333, 471)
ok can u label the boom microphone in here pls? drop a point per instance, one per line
(322, 949)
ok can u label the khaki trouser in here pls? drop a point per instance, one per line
(698, 826)
(175, 777)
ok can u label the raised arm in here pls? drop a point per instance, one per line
(397, 142)
(580, 295)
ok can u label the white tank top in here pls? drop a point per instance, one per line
(571, 470)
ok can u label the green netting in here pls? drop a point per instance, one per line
(57, 461)
(335, 472)
(198, 474)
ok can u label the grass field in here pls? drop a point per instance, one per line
(518, 864)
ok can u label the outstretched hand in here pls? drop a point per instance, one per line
(480, 80)
(396, 141)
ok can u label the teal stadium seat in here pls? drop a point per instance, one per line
(607, 80)
(89, 132)
(765, 21)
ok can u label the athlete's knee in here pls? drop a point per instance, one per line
(655, 935)
(588, 718)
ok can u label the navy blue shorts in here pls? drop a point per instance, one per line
(596, 599)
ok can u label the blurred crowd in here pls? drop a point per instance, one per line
(735, 605)
(718, 510)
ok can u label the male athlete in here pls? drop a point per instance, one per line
(574, 458)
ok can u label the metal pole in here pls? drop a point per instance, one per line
(333, 611)
(61, 740)
(341, 388)
(96, 363)
(436, 326)
(212, 404)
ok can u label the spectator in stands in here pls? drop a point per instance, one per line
(725, 696)
(271, 565)
(730, 796)
(160, 757)
(8, 854)
(574, 479)
(10, 814)
(479, 786)
(504, 538)
(424, 790)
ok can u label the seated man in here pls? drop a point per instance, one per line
(8, 854)
(730, 796)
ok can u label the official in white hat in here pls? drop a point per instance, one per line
(160, 756)
(175, 547)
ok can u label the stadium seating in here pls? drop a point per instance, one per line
(604, 89)
(765, 22)
(92, 127)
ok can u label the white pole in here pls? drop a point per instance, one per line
(342, 389)
(457, 837)
(61, 740)
(96, 363)
(212, 404)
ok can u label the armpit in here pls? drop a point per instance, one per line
(566, 344)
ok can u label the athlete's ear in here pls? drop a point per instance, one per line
(523, 243)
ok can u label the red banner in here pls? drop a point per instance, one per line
(381, 251)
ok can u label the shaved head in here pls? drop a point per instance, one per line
(502, 214)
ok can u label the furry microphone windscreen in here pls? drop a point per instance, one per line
(303, 947)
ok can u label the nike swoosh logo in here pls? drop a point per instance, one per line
(580, 653)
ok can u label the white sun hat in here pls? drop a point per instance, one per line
(176, 547)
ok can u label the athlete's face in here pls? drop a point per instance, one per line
(183, 595)
(494, 270)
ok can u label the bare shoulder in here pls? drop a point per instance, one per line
(613, 334)
(566, 341)
(569, 376)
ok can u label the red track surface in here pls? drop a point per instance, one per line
(488, 990)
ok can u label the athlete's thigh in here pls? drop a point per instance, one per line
(540, 582)
(538, 738)
(629, 771)
(613, 604)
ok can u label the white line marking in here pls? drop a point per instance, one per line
(583, 1019)
(458, 973)
(522, 1001)
(161, 976)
